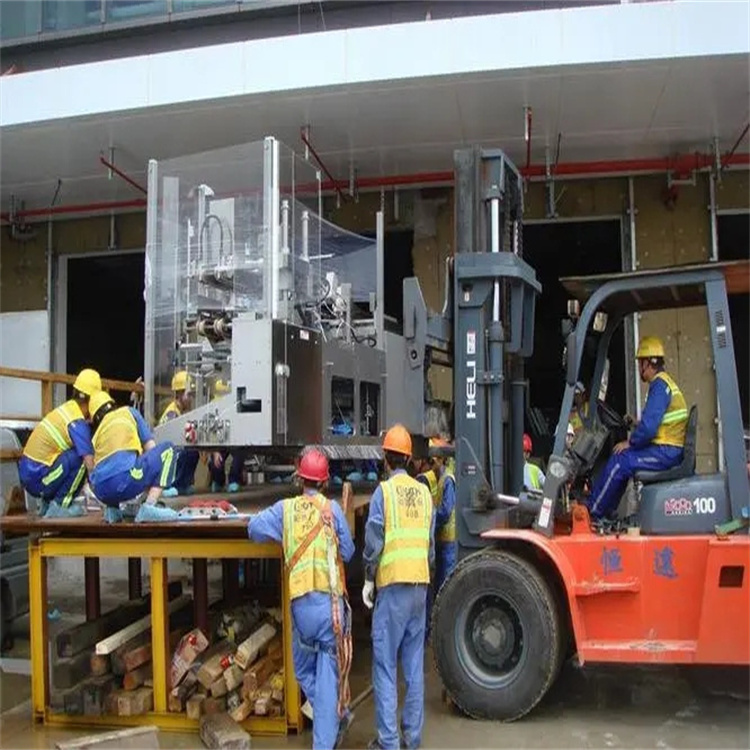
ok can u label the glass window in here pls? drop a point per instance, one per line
(19, 18)
(132, 10)
(76, 14)
(182, 6)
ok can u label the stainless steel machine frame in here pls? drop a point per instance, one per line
(275, 314)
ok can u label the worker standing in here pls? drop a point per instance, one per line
(58, 453)
(533, 476)
(446, 549)
(399, 552)
(657, 440)
(316, 542)
(127, 461)
(187, 458)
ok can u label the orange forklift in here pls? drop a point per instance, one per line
(537, 580)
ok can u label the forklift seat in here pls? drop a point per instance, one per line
(686, 467)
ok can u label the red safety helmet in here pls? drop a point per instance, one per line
(527, 444)
(313, 466)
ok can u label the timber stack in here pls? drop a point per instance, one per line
(104, 666)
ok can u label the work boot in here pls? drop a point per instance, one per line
(150, 513)
(216, 487)
(170, 492)
(56, 510)
(344, 725)
(112, 515)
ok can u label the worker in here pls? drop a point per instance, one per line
(316, 542)
(533, 476)
(580, 411)
(187, 458)
(217, 460)
(58, 453)
(446, 549)
(657, 440)
(127, 461)
(570, 436)
(399, 553)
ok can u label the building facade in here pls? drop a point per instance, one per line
(627, 119)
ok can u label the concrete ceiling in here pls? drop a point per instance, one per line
(651, 109)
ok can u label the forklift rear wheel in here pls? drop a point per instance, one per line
(496, 636)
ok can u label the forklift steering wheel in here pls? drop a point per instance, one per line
(609, 417)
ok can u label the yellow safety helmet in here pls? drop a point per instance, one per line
(180, 381)
(99, 399)
(221, 388)
(650, 347)
(88, 382)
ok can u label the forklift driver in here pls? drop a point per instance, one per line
(656, 443)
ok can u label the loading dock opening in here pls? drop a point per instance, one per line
(555, 250)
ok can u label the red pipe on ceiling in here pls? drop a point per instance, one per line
(122, 174)
(680, 166)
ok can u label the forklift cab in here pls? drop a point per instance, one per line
(676, 501)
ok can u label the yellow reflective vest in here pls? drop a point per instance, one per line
(50, 437)
(577, 416)
(313, 570)
(674, 422)
(407, 514)
(432, 481)
(170, 412)
(447, 532)
(118, 431)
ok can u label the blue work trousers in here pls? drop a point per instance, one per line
(151, 469)
(611, 482)
(398, 629)
(218, 473)
(315, 664)
(60, 482)
(187, 462)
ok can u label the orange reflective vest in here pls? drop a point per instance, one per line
(407, 513)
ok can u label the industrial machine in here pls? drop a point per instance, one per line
(276, 314)
(537, 580)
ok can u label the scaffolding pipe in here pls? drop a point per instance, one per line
(122, 174)
(569, 171)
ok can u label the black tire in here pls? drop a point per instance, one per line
(496, 636)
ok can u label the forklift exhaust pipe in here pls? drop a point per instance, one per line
(488, 499)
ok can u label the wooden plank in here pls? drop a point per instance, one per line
(233, 677)
(214, 705)
(138, 738)
(194, 705)
(215, 661)
(180, 694)
(85, 635)
(223, 733)
(100, 665)
(134, 702)
(114, 641)
(137, 677)
(67, 673)
(95, 694)
(248, 650)
(190, 646)
(258, 673)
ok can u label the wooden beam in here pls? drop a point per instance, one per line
(114, 641)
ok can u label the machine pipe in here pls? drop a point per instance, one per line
(308, 145)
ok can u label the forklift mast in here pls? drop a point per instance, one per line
(487, 327)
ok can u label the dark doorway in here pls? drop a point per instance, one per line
(106, 315)
(556, 250)
(734, 244)
(397, 266)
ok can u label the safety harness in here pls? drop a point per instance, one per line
(342, 631)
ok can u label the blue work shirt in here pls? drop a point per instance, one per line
(447, 503)
(122, 460)
(268, 526)
(375, 532)
(657, 403)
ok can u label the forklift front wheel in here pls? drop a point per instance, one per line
(496, 636)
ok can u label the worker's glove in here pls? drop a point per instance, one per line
(368, 594)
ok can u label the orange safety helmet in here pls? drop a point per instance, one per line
(527, 444)
(313, 466)
(397, 440)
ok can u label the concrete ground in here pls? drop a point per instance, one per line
(586, 708)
